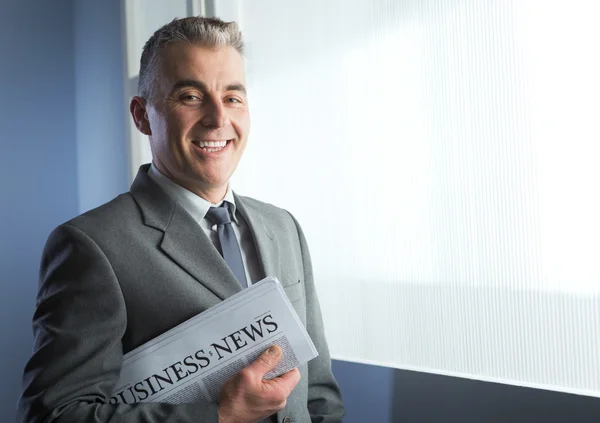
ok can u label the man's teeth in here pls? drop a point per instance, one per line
(212, 146)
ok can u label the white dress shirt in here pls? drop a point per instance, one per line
(197, 207)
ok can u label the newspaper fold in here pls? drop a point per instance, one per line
(192, 361)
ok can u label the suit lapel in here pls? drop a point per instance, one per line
(267, 246)
(187, 244)
(184, 240)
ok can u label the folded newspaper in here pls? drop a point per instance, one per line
(192, 361)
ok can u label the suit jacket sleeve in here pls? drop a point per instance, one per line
(324, 397)
(78, 324)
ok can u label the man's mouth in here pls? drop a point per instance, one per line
(211, 146)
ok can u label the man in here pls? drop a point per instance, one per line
(122, 274)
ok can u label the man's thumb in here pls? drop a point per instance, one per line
(268, 360)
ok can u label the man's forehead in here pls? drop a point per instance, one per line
(183, 53)
(189, 62)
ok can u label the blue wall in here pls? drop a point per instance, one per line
(38, 164)
(101, 105)
(62, 145)
(367, 391)
(381, 395)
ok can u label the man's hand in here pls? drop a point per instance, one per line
(247, 398)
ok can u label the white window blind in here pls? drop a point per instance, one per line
(442, 157)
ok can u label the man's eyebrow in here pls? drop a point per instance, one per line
(189, 83)
(200, 86)
(236, 87)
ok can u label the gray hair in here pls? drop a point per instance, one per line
(205, 32)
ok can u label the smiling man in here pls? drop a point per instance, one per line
(178, 243)
(196, 115)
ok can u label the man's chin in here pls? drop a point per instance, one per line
(204, 185)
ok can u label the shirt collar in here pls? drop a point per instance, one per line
(195, 205)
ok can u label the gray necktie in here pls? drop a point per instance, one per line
(230, 249)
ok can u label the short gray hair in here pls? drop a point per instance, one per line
(205, 32)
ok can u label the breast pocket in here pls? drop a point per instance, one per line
(294, 291)
(296, 295)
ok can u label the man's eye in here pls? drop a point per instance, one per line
(233, 100)
(191, 97)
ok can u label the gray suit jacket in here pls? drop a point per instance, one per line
(122, 274)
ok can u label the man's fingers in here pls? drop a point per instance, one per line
(284, 383)
(293, 376)
(266, 361)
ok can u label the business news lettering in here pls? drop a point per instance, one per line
(176, 372)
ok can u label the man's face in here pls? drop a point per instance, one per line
(199, 119)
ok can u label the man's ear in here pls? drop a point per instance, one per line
(137, 108)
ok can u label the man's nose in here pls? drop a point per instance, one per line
(214, 114)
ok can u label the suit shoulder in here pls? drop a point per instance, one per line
(266, 209)
(111, 215)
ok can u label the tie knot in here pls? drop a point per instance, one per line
(219, 215)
